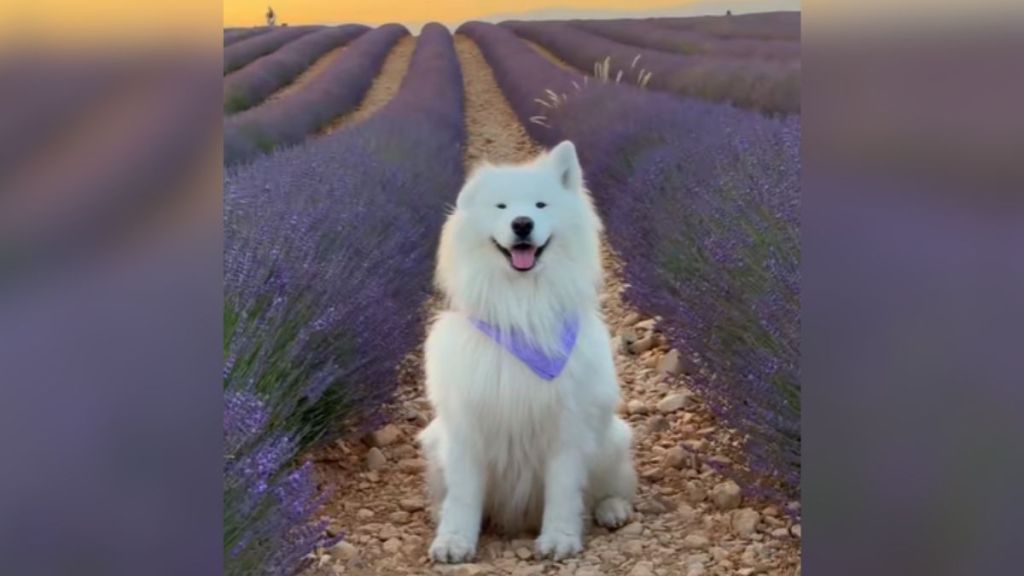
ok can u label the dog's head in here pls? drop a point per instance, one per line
(517, 225)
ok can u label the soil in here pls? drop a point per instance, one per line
(384, 86)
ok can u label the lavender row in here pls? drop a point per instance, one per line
(328, 258)
(338, 89)
(758, 26)
(702, 201)
(650, 34)
(250, 85)
(233, 35)
(245, 51)
(762, 85)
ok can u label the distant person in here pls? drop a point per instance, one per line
(728, 12)
(271, 17)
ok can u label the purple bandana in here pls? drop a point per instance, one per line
(547, 367)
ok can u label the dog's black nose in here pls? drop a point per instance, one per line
(522, 226)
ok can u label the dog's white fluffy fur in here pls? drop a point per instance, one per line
(507, 446)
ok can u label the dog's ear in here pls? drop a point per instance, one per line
(566, 164)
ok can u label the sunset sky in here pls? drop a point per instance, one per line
(250, 12)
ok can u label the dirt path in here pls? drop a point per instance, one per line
(384, 86)
(688, 521)
(316, 69)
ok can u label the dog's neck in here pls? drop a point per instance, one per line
(533, 307)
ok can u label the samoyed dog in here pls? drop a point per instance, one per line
(519, 367)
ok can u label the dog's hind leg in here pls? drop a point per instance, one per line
(613, 481)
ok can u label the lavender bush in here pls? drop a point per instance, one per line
(769, 86)
(233, 35)
(245, 51)
(252, 84)
(702, 201)
(329, 251)
(758, 26)
(268, 503)
(649, 34)
(338, 89)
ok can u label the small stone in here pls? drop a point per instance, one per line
(385, 436)
(619, 346)
(695, 493)
(364, 514)
(589, 571)
(643, 568)
(726, 495)
(695, 569)
(632, 529)
(795, 531)
(392, 546)
(388, 532)
(744, 522)
(523, 553)
(695, 541)
(375, 459)
(686, 512)
(647, 324)
(631, 319)
(399, 517)
(653, 506)
(746, 571)
(411, 504)
(670, 363)
(412, 464)
(644, 344)
(657, 424)
(720, 460)
(780, 533)
(636, 407)
(343, 551)
(771, 511)
(677, 458)
(719, 553)
(627, 337)
(633, 547)
(674, 402)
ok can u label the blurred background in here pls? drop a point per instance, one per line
(110, 280)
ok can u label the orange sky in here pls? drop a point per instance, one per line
(250, 12)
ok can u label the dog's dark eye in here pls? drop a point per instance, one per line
(541, 204)
(502, 206)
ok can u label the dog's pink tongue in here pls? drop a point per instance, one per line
(523, 258)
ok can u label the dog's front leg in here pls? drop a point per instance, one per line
(561, 533)
(462, 507)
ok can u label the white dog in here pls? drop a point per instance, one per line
(519, 369)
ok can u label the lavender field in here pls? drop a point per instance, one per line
(343, 151)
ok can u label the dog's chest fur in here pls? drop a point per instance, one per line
(513, 415)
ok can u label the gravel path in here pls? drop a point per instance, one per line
(689, 520)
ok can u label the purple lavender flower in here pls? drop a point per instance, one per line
(327, 264)
(766, 85)
(245, 51)
(251, 85)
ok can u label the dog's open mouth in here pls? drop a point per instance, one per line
(523, 255)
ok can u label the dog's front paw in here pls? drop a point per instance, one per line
(452, 549)
(558, 545)
(612, 512)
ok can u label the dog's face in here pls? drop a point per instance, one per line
(524, 214)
